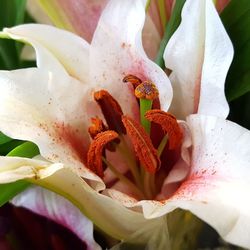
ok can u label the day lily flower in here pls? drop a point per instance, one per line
(118, 179)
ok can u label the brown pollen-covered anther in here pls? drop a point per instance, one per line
(97, 126)
(132, 79)
(169, 125)
(146, 90)
(111, 110)
(95, 152)
(143, 146)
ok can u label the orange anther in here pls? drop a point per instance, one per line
(143, 146)
(169, 125)
(94, 156)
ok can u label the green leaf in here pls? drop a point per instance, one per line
(4, 138)
(26, 149)
(12, 12)
(8, 146)
(171, 27)
(8, 191)
(236, 19)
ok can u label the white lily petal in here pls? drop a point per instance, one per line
(102, 210)
(49, 110)
(116, 51)
(58, 209)
(220, 177)
(68, 50)
(217, 189)
(28, 53)
(15, 168)
(199, 55)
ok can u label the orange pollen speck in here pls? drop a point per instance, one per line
(143, 146)
(146, 90)
(96, 127)
(132, 79)
(94, 156)
(169, 125)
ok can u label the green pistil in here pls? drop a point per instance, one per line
(145, 105)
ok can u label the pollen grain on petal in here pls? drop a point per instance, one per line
(169, 125)
(111, 110)
(94, 156)
(143, 146)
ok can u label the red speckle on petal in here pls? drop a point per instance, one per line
(71, 137)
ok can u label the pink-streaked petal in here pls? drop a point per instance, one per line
(199, 55)
(56, 50)
(79, 16)
(58, 209)
(117, 50)
(49, 110)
